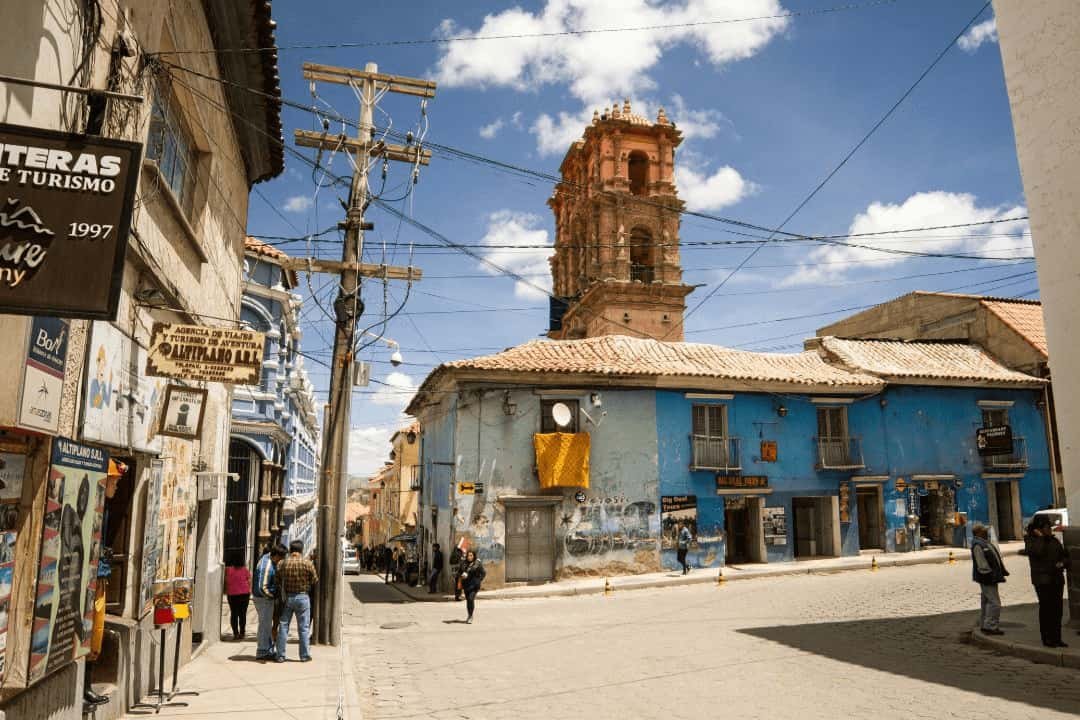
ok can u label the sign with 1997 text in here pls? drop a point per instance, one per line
(65, 210)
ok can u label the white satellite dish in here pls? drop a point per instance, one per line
(560, 413)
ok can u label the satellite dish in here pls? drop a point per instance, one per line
(560, 413)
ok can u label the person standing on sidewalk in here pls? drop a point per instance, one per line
(471, 580)
(1048, 561)
(437, 563)
(987, 569)
(388, 563)
(264, 591)
(238, 588)
(683, 541)
(296, 575)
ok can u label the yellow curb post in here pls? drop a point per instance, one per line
(608, 589)
(873, 564)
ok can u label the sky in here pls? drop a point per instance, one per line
(769, 102)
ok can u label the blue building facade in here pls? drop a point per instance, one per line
(274, 447)
(825, 453)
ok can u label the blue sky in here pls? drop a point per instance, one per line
(768, 108)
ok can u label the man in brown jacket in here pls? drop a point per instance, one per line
(295, 575)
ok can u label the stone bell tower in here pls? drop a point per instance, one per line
(616, 268)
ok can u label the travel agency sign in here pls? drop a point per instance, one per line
(65, 211)
(207, 354)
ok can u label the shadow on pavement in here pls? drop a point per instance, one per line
(927, 648)
(372, 589)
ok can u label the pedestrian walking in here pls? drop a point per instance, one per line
(988, 570)
(437, 563)
(457, 565)
(238, 588)
(296, 575)
(683, 546)
(471, 580)
(388, 563)
(264, 592)
(1048, 561)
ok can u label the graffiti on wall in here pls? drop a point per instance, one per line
(605, 524)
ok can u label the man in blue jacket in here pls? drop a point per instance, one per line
(264, 592)
(987, 569)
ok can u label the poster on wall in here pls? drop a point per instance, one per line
(153, 536)
(66, 210)
(209, 354)
(43, 374)
(676, 510)
(7, 572)
(183, 413)
(173, 552)
(67, 572)
(121, 406)
(774, 525)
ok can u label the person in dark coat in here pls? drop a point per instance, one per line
(1048, 561)
(437, 564)
(988, 570)
(471, 580)
(457, 566)
(388, 563)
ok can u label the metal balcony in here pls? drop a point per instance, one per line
(715, 453)
(414, 475)
(840, 453)
(1016, 460)
(641, 273)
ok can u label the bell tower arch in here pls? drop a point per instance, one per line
(616, 267)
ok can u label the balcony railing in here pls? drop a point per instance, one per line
(414, 476)
(840, 453)
(641, 273)
(715, 453)
(1016, 460)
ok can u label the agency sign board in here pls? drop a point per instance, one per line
(43, 374)
(208, 354)
(65, 210)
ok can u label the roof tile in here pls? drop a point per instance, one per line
(1026, 318)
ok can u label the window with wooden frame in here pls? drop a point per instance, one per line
(171, 146)
(832, 423)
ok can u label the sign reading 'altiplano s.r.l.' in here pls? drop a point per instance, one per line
(65, 210)
(208, 354)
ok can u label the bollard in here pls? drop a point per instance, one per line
(873, 564)
(952, 558)
(720, 579)
(608, 589)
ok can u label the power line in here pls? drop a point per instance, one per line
(813, 193)
(521, 36)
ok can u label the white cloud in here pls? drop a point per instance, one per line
(297, 204)
(510, 228)
(396, 390)
(711, 192)
(984, 32)
(600, 65)
(924, 209)
(369, 448)
(492, 129)
(515, 120)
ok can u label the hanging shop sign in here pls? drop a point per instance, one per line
(183, 413)
(741, 482)
(43, 374)
(768, 451)
(121, 406)
(996, 440)
(64, 221)
(208, 354)
(67, 573)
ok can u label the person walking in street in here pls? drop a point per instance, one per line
(264, 592)
(238, 588)
(683, 541)
(388, 563)
(471, 580)
(457, 565)
(437, 563)
(296, 575)
(988, 570)
(1048, 561)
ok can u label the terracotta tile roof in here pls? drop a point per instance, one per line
(617, 355)
(356, 510)
(1026, 318)
(254, 245)
(923, 361)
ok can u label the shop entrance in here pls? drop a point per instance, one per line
(937, 509)
(745, 541)
(871, 515)
(1004, 497)
(815, 526)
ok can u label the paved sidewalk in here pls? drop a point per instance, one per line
(673, 578)
(1022, 639)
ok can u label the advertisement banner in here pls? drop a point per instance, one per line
(173, 552)
(12, 473)
(153, 535)
(209, 354)
(67, 573)
(676, 510)
(121, 406)
(64, 221)
(43, 374)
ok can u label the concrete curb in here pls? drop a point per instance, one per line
(703, 576)
(1033, 653)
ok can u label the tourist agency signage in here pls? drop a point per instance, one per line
(65, 210)
(208, 354)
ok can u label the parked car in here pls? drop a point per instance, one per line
(350, 561)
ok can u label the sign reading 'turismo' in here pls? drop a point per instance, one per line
(65, 210)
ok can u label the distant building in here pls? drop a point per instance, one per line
(274, 449)
(394, 490)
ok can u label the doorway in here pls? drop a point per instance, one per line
(737, 523)
(1005, 509)
(530, 543)
(937, 508)
(871, 510)
(815, 526)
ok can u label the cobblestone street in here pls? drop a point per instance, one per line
(856, 644)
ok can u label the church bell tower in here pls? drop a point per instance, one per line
(616, 268)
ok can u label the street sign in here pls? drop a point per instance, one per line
(466, 488)
(996, 440)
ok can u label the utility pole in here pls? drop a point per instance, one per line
(347, 309)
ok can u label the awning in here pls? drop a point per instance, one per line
(403, 537)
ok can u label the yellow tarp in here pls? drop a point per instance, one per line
(562, 459)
